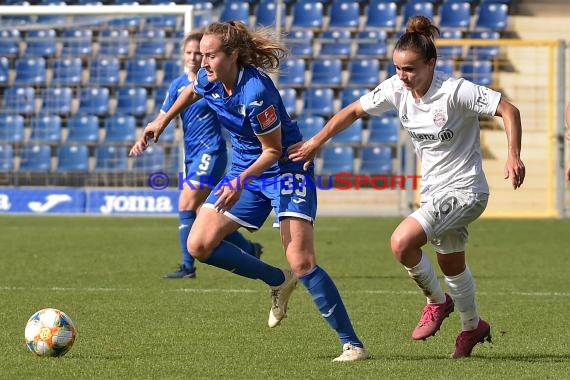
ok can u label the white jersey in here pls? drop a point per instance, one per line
(443, 126)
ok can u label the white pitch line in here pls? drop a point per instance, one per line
(200, 290)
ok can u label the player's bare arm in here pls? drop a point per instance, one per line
(514, 167)
(306, 150)
(155, 128)
(271, 152)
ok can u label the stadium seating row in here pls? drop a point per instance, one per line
(75, 158)
(122, 130)
(303, 14)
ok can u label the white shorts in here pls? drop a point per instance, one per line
(445, 215)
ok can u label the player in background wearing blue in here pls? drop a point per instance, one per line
(234, 83)
(205, 157)
(440, 113)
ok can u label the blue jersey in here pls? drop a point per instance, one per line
(200, 123)
(255, 108)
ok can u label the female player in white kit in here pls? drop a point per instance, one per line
(440, 113)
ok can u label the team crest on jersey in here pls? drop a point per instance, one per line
(439, 118)
(267, 117)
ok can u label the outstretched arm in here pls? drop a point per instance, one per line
(306, 150)
(514, 167)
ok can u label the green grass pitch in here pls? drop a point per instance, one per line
(105, 273)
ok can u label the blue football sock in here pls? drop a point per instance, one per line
(229, 257)
(242, 243)
(328, 301)
(186, 219)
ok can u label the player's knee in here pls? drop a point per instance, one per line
(198, 248)
(399, 246)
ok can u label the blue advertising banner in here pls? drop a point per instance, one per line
(42, 201)
(129, 202)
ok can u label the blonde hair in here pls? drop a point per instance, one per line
(420, 37)
(260, 47)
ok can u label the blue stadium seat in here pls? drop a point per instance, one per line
(309, 125)
(159, 96)
(12, 128)
(114, 43)
(4, 71)
(110, 159)
(363, 72)
(235, 10)
(292, 72)
(455, 15)
(45, 129)
(164, 22)
(172, 69)
(445, 65)
(57, 100)
(104, 72)
(477, 71)
(300, 42)
(72, 158)
(35, 158)
(9, 43)
(20, 100)
(344, 14)
(266, 13)
(337, 159)
(307, 15)
(371, 44)
(318, 101)
(150, 43)
(173, 159)
(492, 16)
(450, 51)
(335, 43)
(376, 160)
(6, 158)
(351, 135)
(153, 159)
(124, 22)
(417, 8)
(40, 42)
(30, 71)
(383, 130)
(94, 101)
(326, 72)
(484, 52)
(381, 15)
(77, 42)
(67, 72)
(349, 95)
(83, 129)
(131, 101)
(289, 97)
(120, 129)
(203, 13)
(140, 72)
(55, 19)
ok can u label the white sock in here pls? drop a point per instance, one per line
(424, 276)
(462, 290)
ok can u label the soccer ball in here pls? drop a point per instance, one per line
(50, 332)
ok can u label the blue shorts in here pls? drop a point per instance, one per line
(288, 194)
(206, 169)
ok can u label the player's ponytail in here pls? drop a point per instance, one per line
(420, 37)
(259, 47)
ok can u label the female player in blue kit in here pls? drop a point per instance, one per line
(234, 83)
